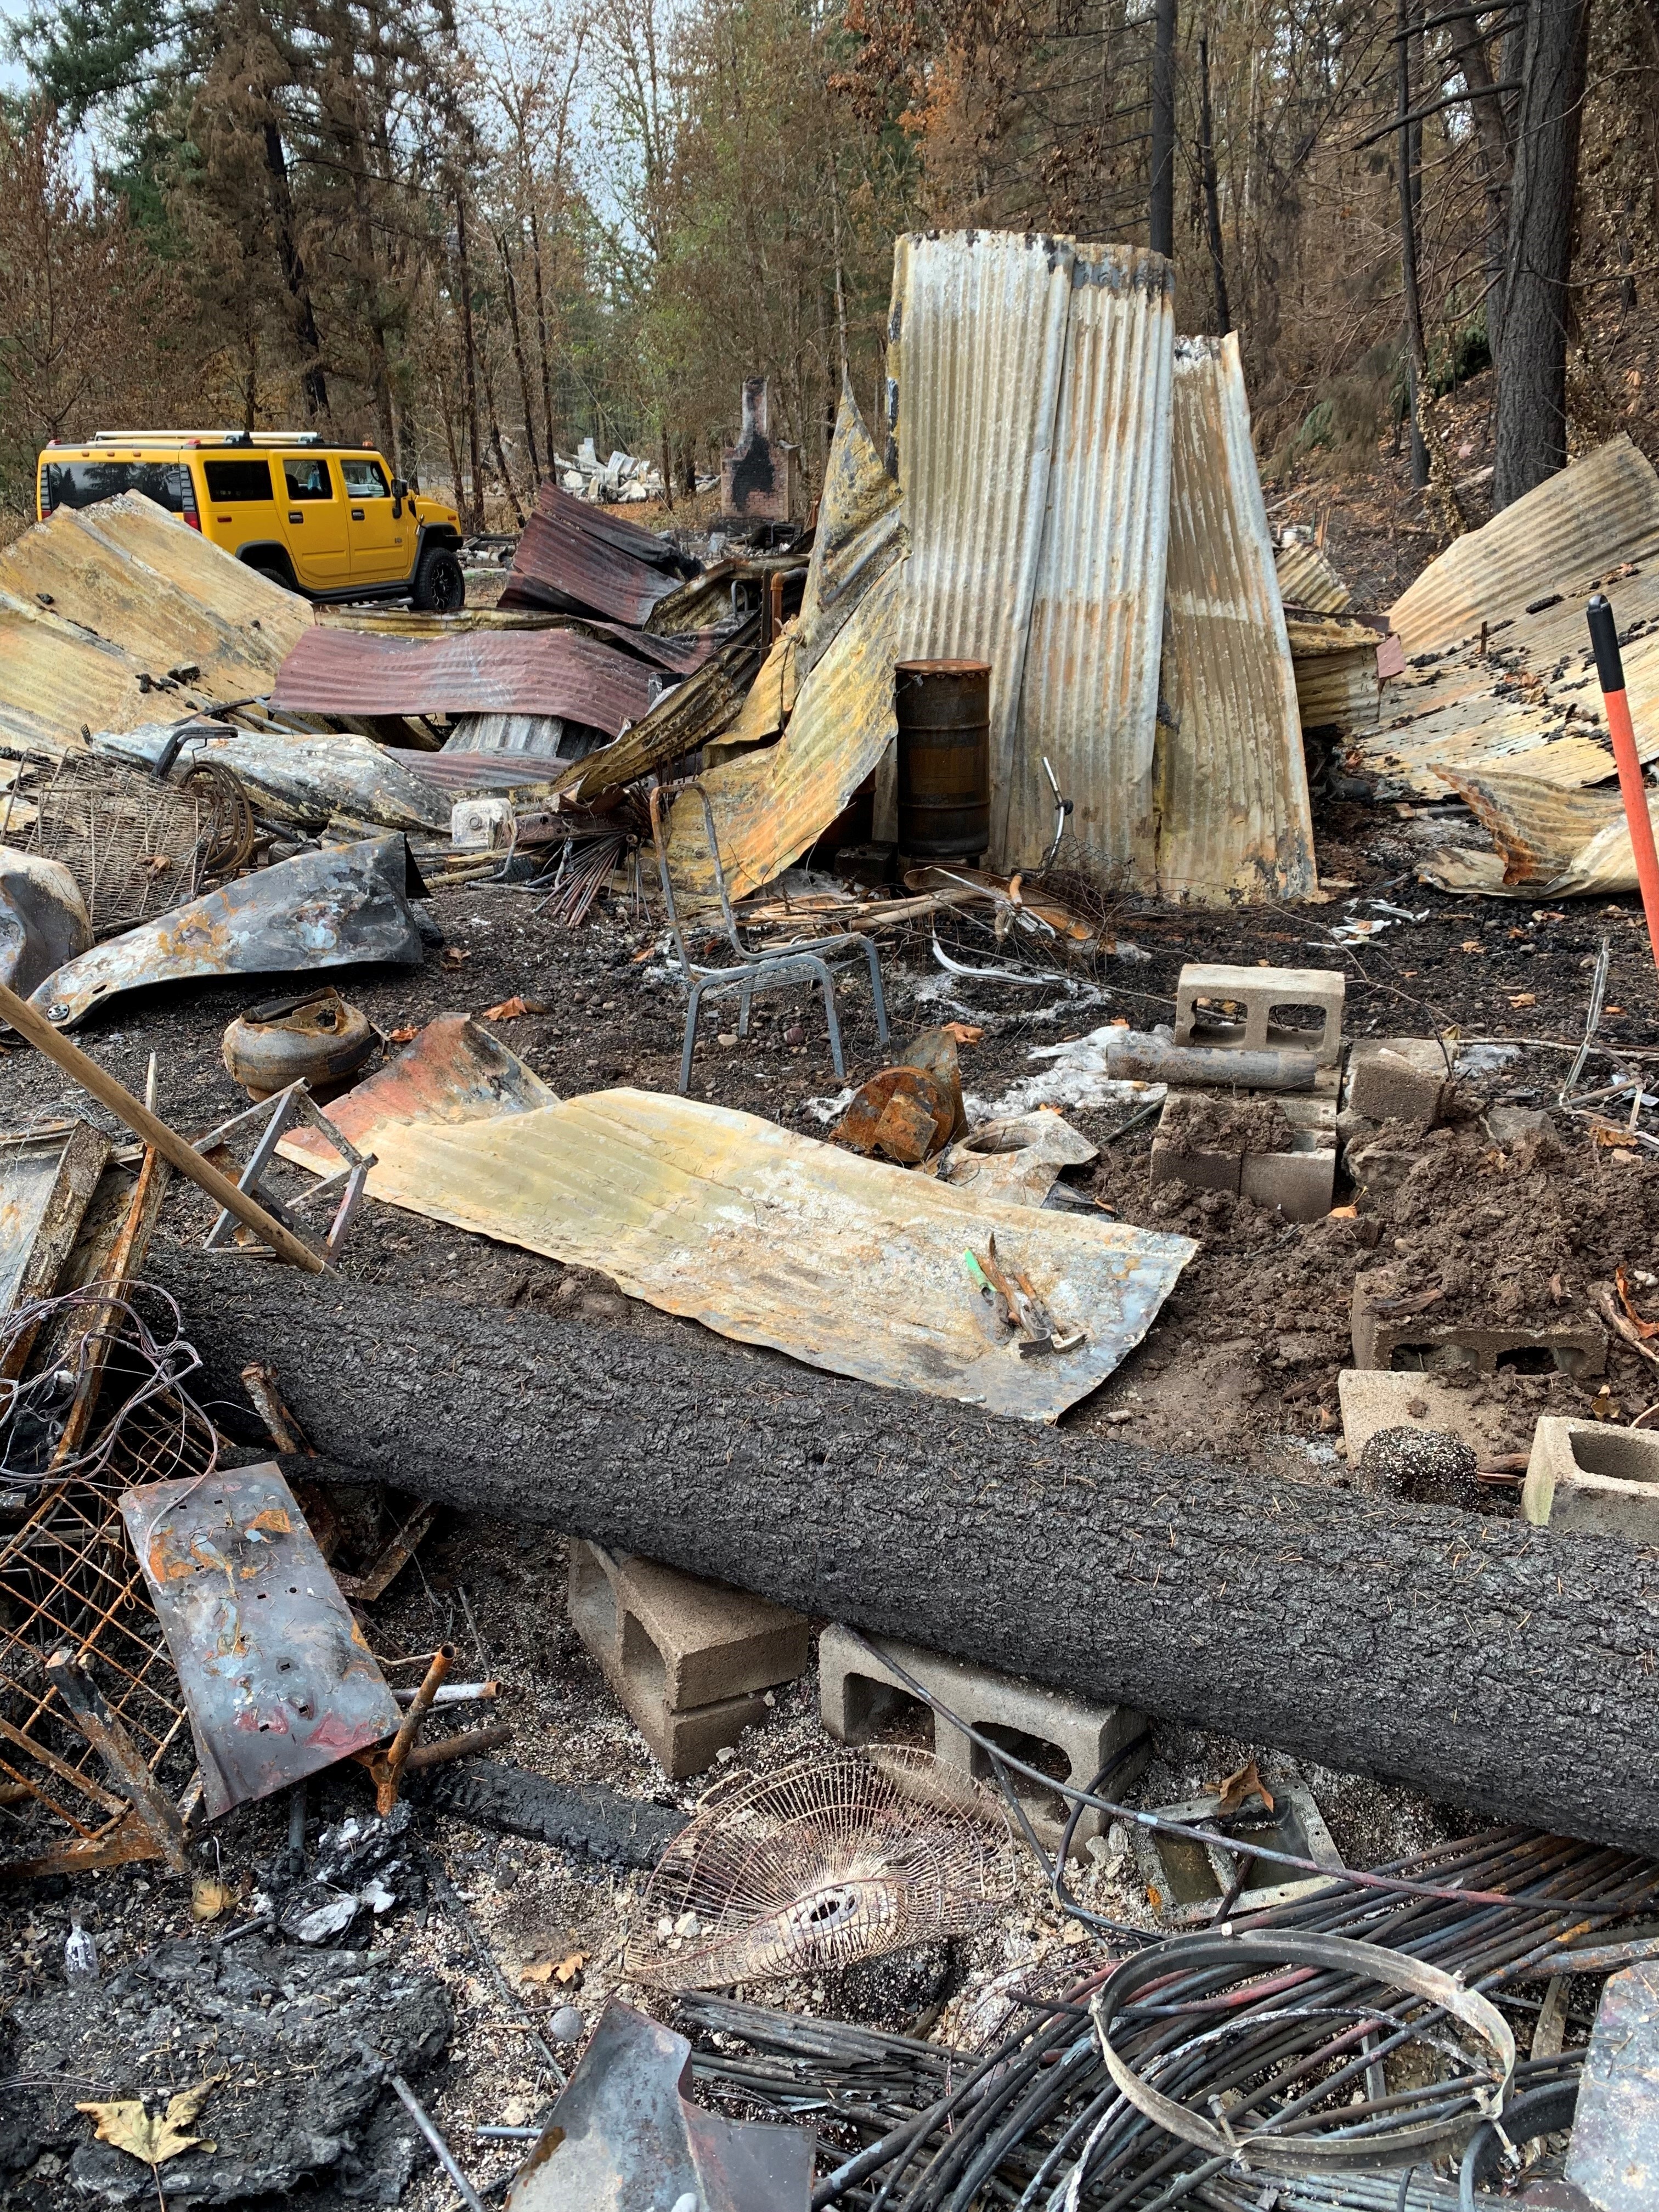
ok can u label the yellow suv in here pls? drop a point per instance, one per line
(331, 522)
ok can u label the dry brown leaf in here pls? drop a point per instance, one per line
(548, 1970)
(407, 1035)
(153, 2140)
(965, 1032)
(569, 1969)
(1645, 1328)
(1523, 998)
(452, 955)
(510, 1009)
(1238, 1788)
(542, 1972)
(208, 1897)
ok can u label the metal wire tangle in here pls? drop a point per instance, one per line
(154, 1426)
(830, 1861)
(135, 844)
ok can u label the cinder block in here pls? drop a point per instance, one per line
(1071, 1736)
(689, 1659)
(1202, 1170)
(1261, 993)
(1299, 1184)
(1397, 1078)
(1382, 1339)
(1373, 1399)
(1589, 1479)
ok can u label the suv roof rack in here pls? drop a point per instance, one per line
(215, 438)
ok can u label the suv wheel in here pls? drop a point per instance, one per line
(440, 586)
(276, 570)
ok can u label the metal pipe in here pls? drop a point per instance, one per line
(389, 1772)
(441, 2150)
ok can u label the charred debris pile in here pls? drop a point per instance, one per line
(982, 1531)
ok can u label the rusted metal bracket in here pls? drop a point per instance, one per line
(275, 1117)
(386, 1767)
(84, 1703)
(365, 1587)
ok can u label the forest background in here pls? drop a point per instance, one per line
(476, 231)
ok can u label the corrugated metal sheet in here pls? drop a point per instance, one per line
(307, 778)
(1535, 693)
(860, 533)
(769, 806)
(537, 734)
(553, 671)
(679, 656)
(1564, 537)
(774, 1238)
(135, 528)
(459, 773)
(1538, 829)
(1336, 680)
(1089, 701)
(97, 606)
(1306, 579)
(582, 560)
(1233, 815)
(976, 348)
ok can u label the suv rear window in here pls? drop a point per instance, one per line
(230, 482)
(83, 484)
(308, 479)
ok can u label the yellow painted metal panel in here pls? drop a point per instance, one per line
(777, 1239)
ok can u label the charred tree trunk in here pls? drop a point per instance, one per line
(541, 339)
(469, 358)
(1482, 1660)
(314, 382)
(1223, 313)
(1161, 222)
(1410, 145)
(523, 366)
(1531, 427)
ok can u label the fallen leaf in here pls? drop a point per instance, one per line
(541, 1973)
(452, 955)
(153, 2140)
(407, 1035)
(1238, 1788)
(1524, 998)
(561, 1970)
(510, 1009)
(1345, 1214)
(1471, 944)
(1644, 1328)
(964, 1032)
(209, 1898)
(568, 1969)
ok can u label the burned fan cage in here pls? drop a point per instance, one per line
(135, 845)
(1036, 2118)
(68, 1579)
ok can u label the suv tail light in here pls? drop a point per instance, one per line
(187, 496)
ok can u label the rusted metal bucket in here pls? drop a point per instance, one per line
(944, 709)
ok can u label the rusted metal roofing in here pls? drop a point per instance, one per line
(774, 1238)
(550, 671)
(1090, 698)
(1532, 701)
(976, 347)
(453, 1071)
(459, 773)
(110, 613)
(1233, 815)
(1563, 537)
(1337, 686)
(860, 533)
(579, 559)
(1307, 579)
(769, 806)
(679, 655)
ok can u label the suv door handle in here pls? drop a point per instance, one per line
(296, 518)
(356, 514)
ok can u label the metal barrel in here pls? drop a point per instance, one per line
(944, 709)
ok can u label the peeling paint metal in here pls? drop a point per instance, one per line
(302, 776)
(574, 558)
(277, 1677)
(544, 671)
(1234, 820)
(774, 1238)
(327, 909)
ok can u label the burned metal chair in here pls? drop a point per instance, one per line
(768, 967)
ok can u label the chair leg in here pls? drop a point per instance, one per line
(691, 1013)
(874, 959)
(837, 1057)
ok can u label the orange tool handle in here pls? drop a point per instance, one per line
(1610, 667)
